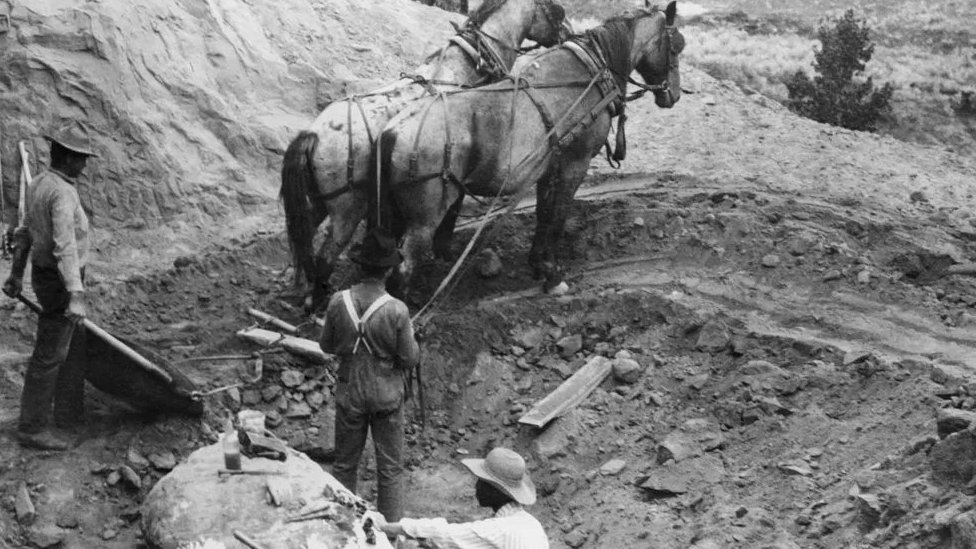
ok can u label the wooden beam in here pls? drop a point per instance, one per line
(305, 348)
(273, 320)
(572, 391)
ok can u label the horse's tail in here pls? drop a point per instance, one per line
(381, 210)
(296, 182)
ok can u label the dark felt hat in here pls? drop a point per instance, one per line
(72, 135)
(378, 249)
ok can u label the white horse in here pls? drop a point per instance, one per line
(327, 167)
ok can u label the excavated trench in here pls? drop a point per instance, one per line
(767, 387)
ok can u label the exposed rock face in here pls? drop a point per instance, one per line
(193, 504)
(192, 103)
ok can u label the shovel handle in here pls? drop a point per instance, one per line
(111, 340)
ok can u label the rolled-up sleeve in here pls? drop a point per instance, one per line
(65, 244)
(443, 534)
(408, 352)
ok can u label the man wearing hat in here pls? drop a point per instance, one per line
(370, 332)
(55, 237)
(505, 487)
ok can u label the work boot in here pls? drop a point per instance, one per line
(44, 440)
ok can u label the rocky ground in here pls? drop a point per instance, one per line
(788, 363)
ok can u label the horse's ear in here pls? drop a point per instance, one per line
(670, 12)
(647, 4)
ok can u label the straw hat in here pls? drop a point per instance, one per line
(505, 470)
(378, 249)
(72, 135)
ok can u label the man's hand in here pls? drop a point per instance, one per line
(76, 306)
(13, 286)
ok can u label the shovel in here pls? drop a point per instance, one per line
(111, 341)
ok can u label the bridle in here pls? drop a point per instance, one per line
(665, 86)
(490, 60)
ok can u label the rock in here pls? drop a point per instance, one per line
(298, 410)
(46, 536)
(113, 478)
(795, 468)
(530, 338)
(272, 419)
(66, 521)
(832, 274)
(130, 477)
(962, 528)
(950, 375)
(638, 221)
(713, 337)
(109, 533)
(678, 478)
(951, 420)
(271, 392)
(164, 461)
(758, 367)
(953, 459)
(489, 264)
(855, 356)
(233, 398)
(557, 436)
(864, 277)
(136, 460)
(626, 370)
(292, 378)
(613, 467)
(770, 260)
(576, 538)
(563, 368)
(677, 446)
(23, 506)
(191, 503)
(570, 345)
(315, 399)
(250, 397)
(918, 197)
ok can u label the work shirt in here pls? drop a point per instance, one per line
(371, 379)
(512, 527)
(58, 227)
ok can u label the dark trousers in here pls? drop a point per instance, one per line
(351, 427)
(56, 370)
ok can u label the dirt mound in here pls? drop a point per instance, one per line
(192, 103)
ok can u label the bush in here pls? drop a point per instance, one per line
(834, 96)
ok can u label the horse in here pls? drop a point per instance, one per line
(540, 128)
(327, 166)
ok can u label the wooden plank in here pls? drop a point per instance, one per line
(305, 348)
(273, 320)
(572, 391)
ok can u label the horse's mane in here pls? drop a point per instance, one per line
(482, 12)
(616, 37)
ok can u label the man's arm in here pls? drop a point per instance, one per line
(408, 351)
(443, 534)
(66, 252)
(14, 284)
(328, 341)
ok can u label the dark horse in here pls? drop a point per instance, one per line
(540, 128)
(327, 166)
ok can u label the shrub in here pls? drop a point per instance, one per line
(839, 95)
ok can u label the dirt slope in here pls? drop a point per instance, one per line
(192, 102)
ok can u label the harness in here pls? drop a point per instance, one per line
(360, 321)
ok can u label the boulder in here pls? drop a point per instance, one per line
(193, 504)
(954, 459)
(626, 370)
(714, 337)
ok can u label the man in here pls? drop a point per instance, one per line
(371, 334)
(505, 487)
(55, 237)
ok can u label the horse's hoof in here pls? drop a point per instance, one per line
(559, 289)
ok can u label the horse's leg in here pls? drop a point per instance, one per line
(416, 245)
(345, 213)
(563, 189)
(445, 231)
(544, 207)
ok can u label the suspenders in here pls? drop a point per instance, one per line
(360, 322)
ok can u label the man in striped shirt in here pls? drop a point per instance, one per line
(503, 485)
(55, 236)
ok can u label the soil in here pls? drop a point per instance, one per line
(766, 272)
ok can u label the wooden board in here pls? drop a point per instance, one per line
(305, 348)
(572, 391)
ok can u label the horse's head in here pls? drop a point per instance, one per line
(549, 25)
(658, 44)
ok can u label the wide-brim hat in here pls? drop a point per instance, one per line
(72, 135)
(378, 249)
(505, 470)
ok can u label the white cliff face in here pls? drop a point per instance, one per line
(192, 103)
